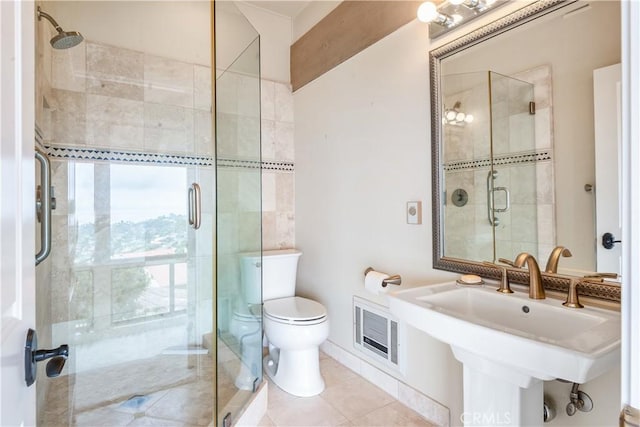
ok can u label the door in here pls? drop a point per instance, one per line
(630, 375)
(607, 127)
(128, 285)
(16, 208)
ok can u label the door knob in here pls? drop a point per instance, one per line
(608, 241)
(32, 356)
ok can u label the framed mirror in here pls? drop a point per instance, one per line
(513, 145)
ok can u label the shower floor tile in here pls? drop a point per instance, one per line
(165, 390)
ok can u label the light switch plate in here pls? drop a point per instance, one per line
(414, 212)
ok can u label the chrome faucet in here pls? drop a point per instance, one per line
(552, 262)
(536, 289)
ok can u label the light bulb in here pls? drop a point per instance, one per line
(460, 117)
(456, 18)
(450, 115)
(456, 2)
(469, 118)
(427, 12)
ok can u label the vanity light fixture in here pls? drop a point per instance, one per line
(477, 5)
(455, 117)
(450, 13)
(428, 12)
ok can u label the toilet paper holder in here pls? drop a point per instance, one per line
(391, 280)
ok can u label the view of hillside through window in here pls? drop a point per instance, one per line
(131, 222)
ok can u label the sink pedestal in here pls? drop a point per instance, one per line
(497, 395)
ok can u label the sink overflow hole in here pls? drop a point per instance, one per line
(525, 308)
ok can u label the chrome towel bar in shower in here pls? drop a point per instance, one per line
(45, 202)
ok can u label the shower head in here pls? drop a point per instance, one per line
(64, 39)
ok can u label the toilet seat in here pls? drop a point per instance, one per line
(295, 310)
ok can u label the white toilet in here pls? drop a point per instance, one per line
(294, 326)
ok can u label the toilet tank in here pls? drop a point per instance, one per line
(278, 272)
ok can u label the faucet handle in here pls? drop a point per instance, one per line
(601, 276)
(504, 279)
(506, 261)
(572, 296)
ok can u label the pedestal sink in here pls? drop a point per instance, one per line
(509, 344)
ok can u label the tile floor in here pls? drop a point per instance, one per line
(166, 390)
(178, 391)
(348, 400)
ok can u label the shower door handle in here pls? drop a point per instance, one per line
(56, 356)
(507, 196)
(491, 190)
(493, 220)
(44, 203)
(195, 206)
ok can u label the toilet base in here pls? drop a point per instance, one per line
(249, 336)
(295, 371)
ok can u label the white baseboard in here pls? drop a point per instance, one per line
(431, 410)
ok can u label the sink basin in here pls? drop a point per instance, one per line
(522, 338)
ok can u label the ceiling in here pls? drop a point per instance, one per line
(289, 8)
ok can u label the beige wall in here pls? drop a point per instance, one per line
(100, 22)
(275, 37)
(362, 152)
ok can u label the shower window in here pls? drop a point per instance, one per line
(131, 240)
(148, 211)
(148, 290)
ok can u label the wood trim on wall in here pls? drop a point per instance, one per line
(347, 30)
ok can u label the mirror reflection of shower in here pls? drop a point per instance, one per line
(64, 39)
(455, 116)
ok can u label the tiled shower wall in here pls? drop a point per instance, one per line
(43, 270)
(239, 117)
(104, 104)
(119, 99)
(276, 125)
(278, 220)
(118, 103)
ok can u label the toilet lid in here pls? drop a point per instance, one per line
(296, 309)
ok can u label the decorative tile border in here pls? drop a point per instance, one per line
(504, 160)
(74, 153)
(254, 164)
(126, 156)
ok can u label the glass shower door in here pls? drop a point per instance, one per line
(129, 285)
(239, 217)
(512, 181)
